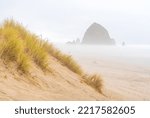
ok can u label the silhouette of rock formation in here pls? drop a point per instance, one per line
(97, 34)
(77, 41)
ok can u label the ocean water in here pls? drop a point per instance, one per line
(131, 54)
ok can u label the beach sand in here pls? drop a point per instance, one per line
(125, 70)
(62, 84)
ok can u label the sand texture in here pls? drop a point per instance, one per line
(60, 84)
(125, 70)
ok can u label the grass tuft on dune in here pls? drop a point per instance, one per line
(94, 81)
(66, 60)
(19, 45)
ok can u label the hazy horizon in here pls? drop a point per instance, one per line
(67, 20)
(132, 55)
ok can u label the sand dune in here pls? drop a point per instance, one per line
(61, 84)
(32, 69)
(125, 71)
(130, 82)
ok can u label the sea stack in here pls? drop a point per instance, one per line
(97, 34)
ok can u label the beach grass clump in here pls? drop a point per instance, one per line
(66, 60)
(95, 81)
(12, 48)
(19, 45)
(35, 48)
(23, 62)
(16, 27)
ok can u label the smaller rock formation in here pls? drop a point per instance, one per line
(123, 43)
(77, 41)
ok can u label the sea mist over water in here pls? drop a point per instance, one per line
(131, 54)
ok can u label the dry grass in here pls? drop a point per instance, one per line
(12, 48)
(35, 48)
(23, 62)
(66, 60)
(94, 81)
(18, 44)
(22, 46)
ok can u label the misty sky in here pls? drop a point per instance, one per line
(66, 20)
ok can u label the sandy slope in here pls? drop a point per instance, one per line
(124, 80)
(61, 84)
(125, 70)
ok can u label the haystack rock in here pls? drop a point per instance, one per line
(97, 34)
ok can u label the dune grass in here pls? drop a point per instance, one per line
(95, 81)
(12, 48)
(23, 47)
(19, 45)
(66, 60)
(35, 48)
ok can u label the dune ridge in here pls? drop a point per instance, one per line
(33, 69)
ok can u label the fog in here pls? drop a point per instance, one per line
(67, 20)
(136, 55)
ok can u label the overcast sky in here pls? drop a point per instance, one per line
(66, 20)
